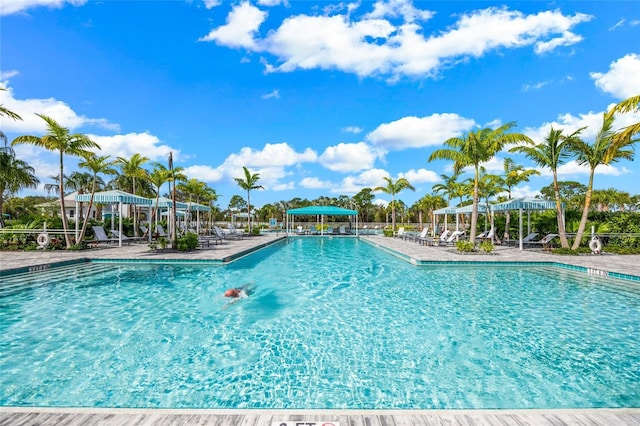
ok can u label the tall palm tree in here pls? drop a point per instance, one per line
(96, 164)
(472, 150)
(607, 148)
(552, 153)
(392, 189)
(249, 183)
(514, 175)
(58, 138)
(131, 169)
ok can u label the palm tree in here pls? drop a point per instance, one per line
(97, 164)
(14, 175)
(392, 189)
(476, 148)
(132, 169)
(514, 175)
(607, 148)
(248, 183)
(161, 175)
(429, 203)
(81, 183)
(59, 139)
(551, 154)
(628, 105)
(450, 188)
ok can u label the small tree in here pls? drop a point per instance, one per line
(248, 183)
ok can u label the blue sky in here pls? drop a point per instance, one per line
(319, 97)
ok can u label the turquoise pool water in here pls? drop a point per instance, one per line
(333, 323)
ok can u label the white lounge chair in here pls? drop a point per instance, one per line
(101, 235)
(455, 235)
(444, 236)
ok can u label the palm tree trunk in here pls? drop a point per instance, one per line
(474, 211)
(65, 224)
(585, 213)
(249, 211)
(561, 230)
(86, 219)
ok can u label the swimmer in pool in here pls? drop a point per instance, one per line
(239, 292)
(236, 293)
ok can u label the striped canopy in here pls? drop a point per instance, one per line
(115, 196)
(525, 204)
(445, 210)
(323, 210)
(167, 203)
(198, 207)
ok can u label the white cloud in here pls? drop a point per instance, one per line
(617, 25)
(524, 192)
(418, 132)
(534, 86)
(31, 123)
(9, 7)
(271, 2)
(243, 22)
(567, 39)
(279, 154)
(622, 79)
(352, 129)
(314, 183)
(348, 157)
(275, 94)
(399, 8)
(420, 176)
(204, 173)
(131, 143)
(572, 168)
(7, 75)
(569, 123)
(353, 184)
(372, 45)
(210, 4)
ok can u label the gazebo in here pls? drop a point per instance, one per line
(114, 197)
(525, 204)
(321, 211)
(167, 203)
(195, 207)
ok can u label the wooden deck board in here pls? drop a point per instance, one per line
(51, 417)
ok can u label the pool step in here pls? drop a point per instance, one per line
(69, 274)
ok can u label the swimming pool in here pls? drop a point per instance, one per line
(333, 323)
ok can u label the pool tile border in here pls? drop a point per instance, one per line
(42, 267)
(584, 269)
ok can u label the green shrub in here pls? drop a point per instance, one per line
(486, 246)
(188, 242)
(464, 246)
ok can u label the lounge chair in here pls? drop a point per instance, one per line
(238, 234)
(160, 232)
(423, 238)
(528, 239)
(400, 233)
(342, 230)
(414, 237)
(545, 242)
(101, 236)
(455, 235)
(225, 235)
(116, 234)
(444, 236)
(487, 237)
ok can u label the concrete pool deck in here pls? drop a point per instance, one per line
(9, 261)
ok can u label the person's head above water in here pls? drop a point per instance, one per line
(232, 292)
